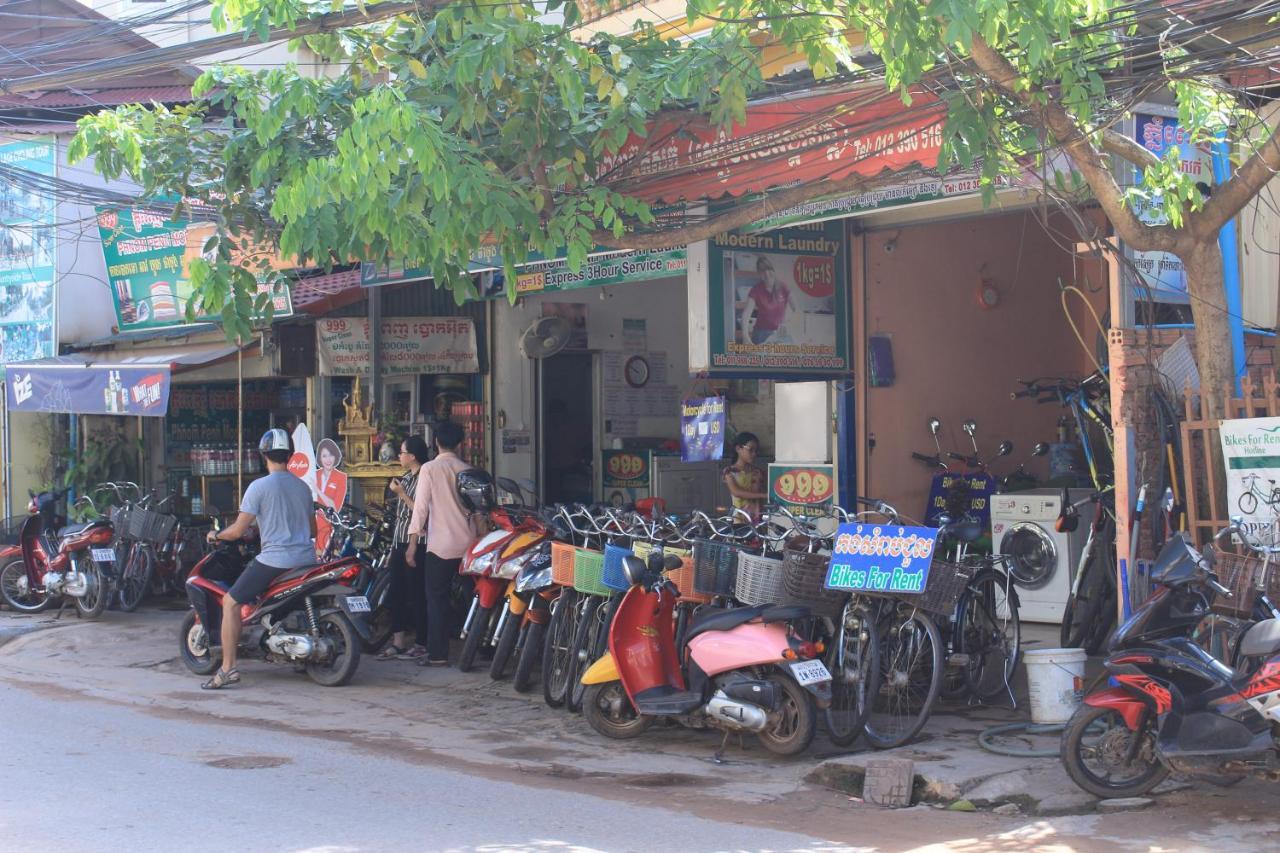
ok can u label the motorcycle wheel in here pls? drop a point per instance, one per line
(506, 644)
(135, 579)
(527, 659)
(854, 661)
(17, 593)
(557, 651)
(1094, 746)
(609, 711)
(92, 604)
(380, 618)
(792, 726)
(195, 646)
(475, 636)
(336, 672)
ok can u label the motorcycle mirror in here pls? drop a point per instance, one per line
(934, 426)
(970, 427)
(1040, 449)
(1006, 447)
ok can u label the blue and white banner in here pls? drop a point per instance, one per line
(88, 390)
(881, 558)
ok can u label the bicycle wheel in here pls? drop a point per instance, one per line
(586, 641)
(135, 577)
(910, 676)
(557, 652)
(854, 661)
(1083, 610)
(1248, 503)
(989, 633)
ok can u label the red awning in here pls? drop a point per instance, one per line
(783, 142)
(87, 97)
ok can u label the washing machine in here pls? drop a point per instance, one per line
(1044, 560)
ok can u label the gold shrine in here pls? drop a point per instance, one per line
(358, 430)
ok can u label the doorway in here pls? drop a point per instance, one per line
(565, 428)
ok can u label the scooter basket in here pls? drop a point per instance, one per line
(562, 563)
(587, 568)
(942, 590)
(759, 580)
(612, 574)
(715, 567)
(804, 577)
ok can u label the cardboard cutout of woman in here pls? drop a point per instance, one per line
(330, 487)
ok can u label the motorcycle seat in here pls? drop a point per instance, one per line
(725, 620)
(73, 529)
(293, 574)
(1262, 639)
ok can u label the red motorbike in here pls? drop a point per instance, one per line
(15, 585)
(309, 616)
(76, 562)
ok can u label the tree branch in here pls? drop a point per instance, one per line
(1119, 145)
(1068, 135)
(1229, 198)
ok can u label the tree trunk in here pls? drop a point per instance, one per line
(1203, 264)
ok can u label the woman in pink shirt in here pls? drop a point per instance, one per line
(772, 299)
(449, 531)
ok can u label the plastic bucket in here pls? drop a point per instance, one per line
(1055, 679)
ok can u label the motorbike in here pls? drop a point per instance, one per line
(77, 562)
(1171, 706)
(495, 562)
(16, 586)
(309, 617)
(742, 669)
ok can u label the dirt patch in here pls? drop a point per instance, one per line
(531, 753)
(666, 780)
(249, 762)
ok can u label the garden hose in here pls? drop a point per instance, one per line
(986, 739)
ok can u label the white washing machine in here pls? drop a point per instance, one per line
(1022, 528)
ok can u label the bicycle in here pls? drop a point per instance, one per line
(1248, 501)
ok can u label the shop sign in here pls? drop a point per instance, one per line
(540, 274)
(803, 489)
(148, 258)
(702, 429)
(410, 345)
(1251, 451)
(27, 251)
(516, 440)
(88, 390)
(1163, 272)
(787, 141)
(961, 495)
(779, 302)
(881, 558)
(625, 469)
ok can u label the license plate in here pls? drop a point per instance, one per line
(356, 604)
(810, 672)
(102, 555)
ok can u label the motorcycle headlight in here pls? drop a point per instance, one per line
(510, 568)
(482, 564)
(535, 580)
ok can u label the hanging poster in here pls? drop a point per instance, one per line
(960, 495)
(148, 260)
(1251, 451)
(779, 303)
(702, 429)
(803, 489)
(27, 244)
(88, 390)
(881, 558)
(410, 345)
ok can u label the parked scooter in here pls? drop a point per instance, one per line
(309, 616)
(78, 562)
(16, 582)
(740, 670)
(1174, 707)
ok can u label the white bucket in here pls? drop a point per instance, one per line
(1055, 678)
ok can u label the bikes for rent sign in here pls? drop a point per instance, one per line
(1251, 451)
(409, 345)
(881, 558)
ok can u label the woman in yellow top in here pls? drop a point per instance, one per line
(744, 478)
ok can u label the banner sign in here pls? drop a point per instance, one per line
(702, 429)
(881, 558)
(779, 303)
(148, 264)
(27, 251)
(97, 390)
(803, 489)
(1251, 451)
(626, 469)
(1163, 272)
(410, 345)
(540, 274)
(961, 495)
(790, 140)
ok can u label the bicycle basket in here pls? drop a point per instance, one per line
(715, 567)
(611, 573)
(942, 590)
(120, 520)
(587, 568)
(683, 577)
(804, 577)
(147, 525)
(11, 530)
(562, 563)
(759, 580)
(1245, 575)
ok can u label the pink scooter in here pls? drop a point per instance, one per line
(741, 670)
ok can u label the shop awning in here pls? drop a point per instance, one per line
(108, 383)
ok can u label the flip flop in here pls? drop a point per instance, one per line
(389, 652)
(222, 679)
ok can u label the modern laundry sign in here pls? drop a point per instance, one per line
(881, 558)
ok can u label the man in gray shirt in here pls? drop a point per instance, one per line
(281, 505)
